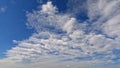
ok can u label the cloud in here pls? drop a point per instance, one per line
(5, 63)
(62, 39)
(40, 1)
(45, 64)
(78, 8)
(111, 27)
(3, 9)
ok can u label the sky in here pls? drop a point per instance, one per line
(12, 22)
(60, 33)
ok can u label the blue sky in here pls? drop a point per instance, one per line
(59, 33)
(12, 22)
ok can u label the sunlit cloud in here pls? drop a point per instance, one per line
(65, 41)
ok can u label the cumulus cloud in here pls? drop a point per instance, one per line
(61, 37)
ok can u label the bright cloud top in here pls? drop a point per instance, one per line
(60, 36)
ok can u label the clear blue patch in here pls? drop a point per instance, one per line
(61, 5)
(13, 22)
(83, 58)
(79, 9)
(116, 52)
(54, 52)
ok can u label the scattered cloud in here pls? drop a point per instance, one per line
(64, 41)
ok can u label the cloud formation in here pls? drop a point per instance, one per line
(45, 64)
(61, 37)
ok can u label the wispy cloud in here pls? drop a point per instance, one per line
(3, 9)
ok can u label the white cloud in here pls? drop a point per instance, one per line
(48, 8)
(60, 37)
(71, 44)
(5, 63)
(69, 25)
(112, 26)
(45, 64)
